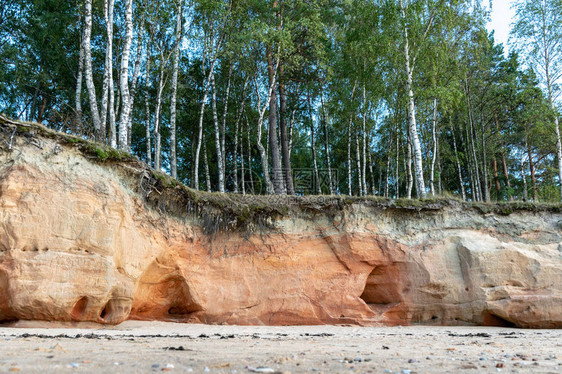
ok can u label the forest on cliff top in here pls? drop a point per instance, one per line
(394, 98)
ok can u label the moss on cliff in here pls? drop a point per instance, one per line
(94, 151)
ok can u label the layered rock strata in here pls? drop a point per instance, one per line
(85, 240)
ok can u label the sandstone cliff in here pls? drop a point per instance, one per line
(90, 234)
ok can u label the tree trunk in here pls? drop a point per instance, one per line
(88, 70)
(235, 156)
(278, 180)
(136, 74)
(549, 86)
(108, 70)
(249, 146)
(359, 168)
(471, 143)
(496, 176)
(327, 144)
(397, 171)
(263, 152)
(506, 175)
(147, 123)
(201, 116)
(349, 166)
(434, 153)
(223, 126)
(409, 169)
(283, 135)
(412, 125)
(470, 168)
(316, 183)
(173, 101)
(485, 171)
(387, 182)
(524, 177)
(264, 162)
(242, 171)
(220, 165)
(157, 136)
(458, 162)
(364, 169)
(238, 129)
(373, 190)
(206, 162)
(349, 185)
(532, 171)
(124, 78)
(147, 109)
(78, 95)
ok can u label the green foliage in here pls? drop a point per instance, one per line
(342, 66)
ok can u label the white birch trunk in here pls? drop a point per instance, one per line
(113, 108)
(124, 78)
(173, 154)
(412, 125)
(134, 83)
(157, 136)
(223, 126)
(201, 115)
(397, 171)
(249, 149)
(147, 109)
(261, 111)
(434, 153)
(242, 171)
(313, 149)
(409, 169)
(373, 190)
(364, 170)
(108, 69)
(220, 164)
(349, 176)
(88, 68)
(147, 127)
(359, 168)
(78, 95)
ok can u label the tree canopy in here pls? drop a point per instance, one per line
(394, 98)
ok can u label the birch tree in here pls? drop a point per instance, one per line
(88, 70)
(108, 94)
(124, 78)
(410, 57)
(173, 153)
(538, 31)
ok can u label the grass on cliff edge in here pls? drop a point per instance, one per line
(229, 211)
(94, 151)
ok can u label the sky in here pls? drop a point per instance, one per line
(501, 16)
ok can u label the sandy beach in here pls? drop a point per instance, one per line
(140, 347)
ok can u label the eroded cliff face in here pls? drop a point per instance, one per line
(80, 241)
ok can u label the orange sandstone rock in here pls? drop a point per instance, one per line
(78, 243)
